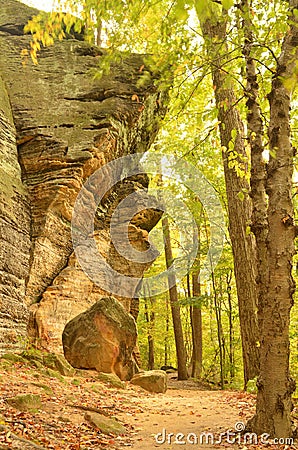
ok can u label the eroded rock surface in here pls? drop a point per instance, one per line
(66, 126)
(102, 338)
(14, 233)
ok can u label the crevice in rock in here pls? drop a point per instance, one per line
(65, 125)
(96, 127)
(90, 97)
(89, 51)
(12, 29)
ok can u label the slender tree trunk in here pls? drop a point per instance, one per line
(99, 32)
(275, 386)
(196, 311)
(189, 294)
(219, 331)
(150, 319)
(197, 338)
(166, 359)
(231, 328)
(239, 210)
(188, 284)
(175, 308)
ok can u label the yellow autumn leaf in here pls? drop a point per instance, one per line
(290, 83)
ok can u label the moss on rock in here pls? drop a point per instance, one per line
(25, 402)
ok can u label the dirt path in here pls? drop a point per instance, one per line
(197, 414)
(182, 412)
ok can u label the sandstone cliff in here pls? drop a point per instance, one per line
(58, 126)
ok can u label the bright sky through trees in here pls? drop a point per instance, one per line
(45, 5)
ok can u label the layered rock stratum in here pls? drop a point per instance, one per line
(58, 125)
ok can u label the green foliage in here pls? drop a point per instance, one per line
(252, 386)
(199, 301)
(210, 344)
(227, 4)
(203, 9)
(46, 28)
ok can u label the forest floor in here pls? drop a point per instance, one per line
(60, 422)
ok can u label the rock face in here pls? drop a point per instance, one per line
(102, 338)
(58, 126)
(14, 233)
(152, 380)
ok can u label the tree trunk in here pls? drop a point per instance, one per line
(239, 210)
(259, 220)
(175, 308)
(99, 32)
(231, 327)
(197, 338)
(274, 403)
(150, 319)
(217, 308)
(166, 359)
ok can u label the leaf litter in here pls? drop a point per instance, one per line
(60, 423)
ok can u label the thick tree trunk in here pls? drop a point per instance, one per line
(175, 308)
(239, 210)
(259, 222)
(274, 404)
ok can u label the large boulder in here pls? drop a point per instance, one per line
(102, 338)
(152, 380)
